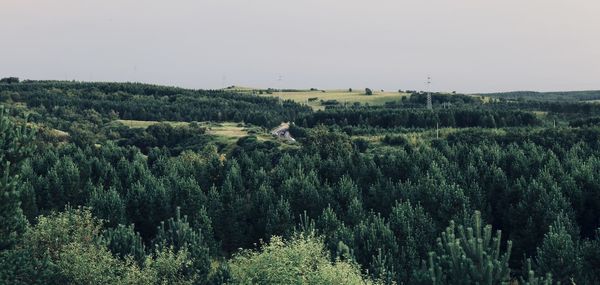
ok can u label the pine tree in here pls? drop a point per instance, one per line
(124, 241)
(591, 256)
(533, 280)
(280, 220)
(468, 256)
(370, 236)
(337, 234)
(15, 141)
(559, 254)
(13, 221)
(15, 145)
(177, 233)
(382, 267)
(415, 234)
(540, 204)
(108, 206)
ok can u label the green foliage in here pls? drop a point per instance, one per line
(153, 103)
(533, 280)
(548, 96)
(9, 80)
(52, 233)
(301, 260)
(591, 259)
(388, 118)
(168, 267)
(124, 241)
(11, 215)
(469, 256)
(540, 205)
(15, 145)
(20, 266)
(279, 220)
(16, 140)
(81, 263)
(108, 206)
(328, 143)
(559, 255)
(376, 182)
(372, 235)
(67, 248)
(415, 234)
(177, 234)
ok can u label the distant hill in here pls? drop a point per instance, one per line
(588, 95)
(146, 102)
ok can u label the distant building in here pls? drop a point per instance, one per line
(283, 132)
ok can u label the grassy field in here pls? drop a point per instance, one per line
(144, 124)
(343, 96)
(227, 129)
(226, 133)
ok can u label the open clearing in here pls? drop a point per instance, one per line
(342, 96)
(226, 133)
(226, 129)
(144, 124)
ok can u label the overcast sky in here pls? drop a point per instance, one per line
(464, 45)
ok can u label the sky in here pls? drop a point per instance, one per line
(464, 45)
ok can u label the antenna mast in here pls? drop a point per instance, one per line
(429, 104)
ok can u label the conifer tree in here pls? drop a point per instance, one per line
(415, 234)
(591, 259)
(531, 279)
(176, 233)
(108, 205)
(15, 145)
(13, 221)
(559, 254)
(470, 255)
(124, 241)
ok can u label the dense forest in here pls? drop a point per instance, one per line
(479, 190)
(564, 96)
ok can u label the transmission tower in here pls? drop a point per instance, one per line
(429, 104)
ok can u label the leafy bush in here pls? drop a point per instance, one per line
(301, 260)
